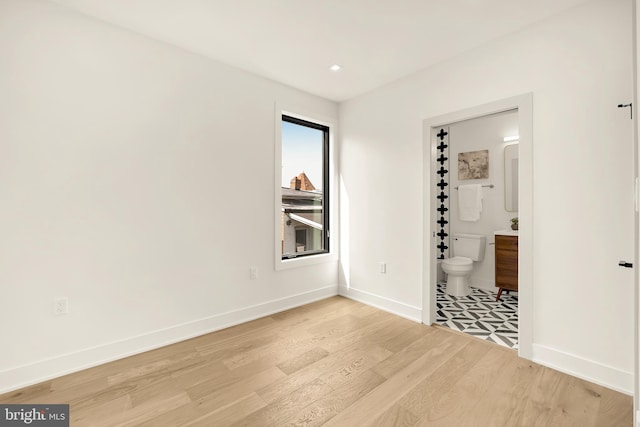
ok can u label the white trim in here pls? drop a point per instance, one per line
(33, 373)
(586, 369)
(331, 123)
(386, 304)
(636, 219)
(524, 105)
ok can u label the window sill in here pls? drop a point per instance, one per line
(285, 264)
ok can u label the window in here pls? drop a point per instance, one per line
(304, 188)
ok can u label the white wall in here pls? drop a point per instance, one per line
(578, 67)
(636, 80)
(485, 133)
(124, 164)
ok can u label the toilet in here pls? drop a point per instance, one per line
(467, 248)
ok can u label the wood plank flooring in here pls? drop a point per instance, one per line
(335, 362)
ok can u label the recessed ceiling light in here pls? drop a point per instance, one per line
(335, 67)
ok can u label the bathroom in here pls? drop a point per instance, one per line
(481, 151)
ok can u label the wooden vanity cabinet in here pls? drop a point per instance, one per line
(506, 263)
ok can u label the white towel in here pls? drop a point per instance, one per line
(470, 202)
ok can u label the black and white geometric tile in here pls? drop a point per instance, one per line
(480, 315)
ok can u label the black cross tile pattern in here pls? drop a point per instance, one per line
(442, 222)
(443, 209)
(480, 315)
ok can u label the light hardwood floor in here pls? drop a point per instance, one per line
(335, 362)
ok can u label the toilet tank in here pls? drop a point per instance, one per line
(469, 246)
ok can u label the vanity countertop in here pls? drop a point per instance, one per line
(508, 232)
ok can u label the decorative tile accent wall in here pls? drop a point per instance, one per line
(442, 163)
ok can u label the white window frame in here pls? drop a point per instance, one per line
(332, 255)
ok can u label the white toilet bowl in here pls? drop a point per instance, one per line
(458, 270)
(467, 248)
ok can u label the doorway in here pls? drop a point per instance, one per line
(432, 226)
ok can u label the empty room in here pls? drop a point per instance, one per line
(348, 213)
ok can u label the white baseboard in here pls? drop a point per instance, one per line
(585, 369)
(33, 373)
(386, 304)
(576, 366)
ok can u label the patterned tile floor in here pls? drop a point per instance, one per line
(479, 314)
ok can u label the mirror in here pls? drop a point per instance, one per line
(511, 177)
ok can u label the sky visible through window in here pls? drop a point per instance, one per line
(301, 152)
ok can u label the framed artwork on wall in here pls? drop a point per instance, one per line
(473, 165)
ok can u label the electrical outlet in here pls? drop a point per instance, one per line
(60, 306)
(383, 267)
(253, 273)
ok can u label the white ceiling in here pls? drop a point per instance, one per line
(296, 41)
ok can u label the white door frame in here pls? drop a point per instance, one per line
(636, 255)
(524, 105)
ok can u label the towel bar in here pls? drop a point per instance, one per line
(487, 185)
